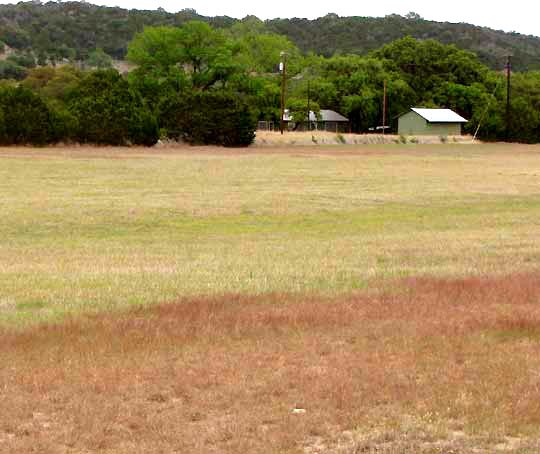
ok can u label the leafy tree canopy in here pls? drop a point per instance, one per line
(260, 50)
(204, 54)
(54, 84)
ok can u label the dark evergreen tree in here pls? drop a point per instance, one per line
(108, 111)
(10, 70)
(214, 117)
(24, 118)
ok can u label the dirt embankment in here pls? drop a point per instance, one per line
(331, 138)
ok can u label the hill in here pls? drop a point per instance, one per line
(71, 30)
(358, 35)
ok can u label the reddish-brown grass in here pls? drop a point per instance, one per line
(224, 374)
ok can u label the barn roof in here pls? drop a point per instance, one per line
(439, 115)
(326, 115)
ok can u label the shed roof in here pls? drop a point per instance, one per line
(439, 115)
(326, 115)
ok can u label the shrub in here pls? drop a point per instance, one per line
(107, 111)
(3, 138)
(143, 129)
(340, 138)
(25, 60)
(215, 117)
(24, 118)
(10, 70)
(63, 125)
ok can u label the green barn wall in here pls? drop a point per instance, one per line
(412, 124)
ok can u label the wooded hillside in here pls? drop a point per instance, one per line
(72, 30)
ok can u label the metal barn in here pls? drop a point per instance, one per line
(430, 122)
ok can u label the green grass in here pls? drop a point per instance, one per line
(293, 247)
(92, 229)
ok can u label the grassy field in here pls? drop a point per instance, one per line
(91, 229)
(191, 298)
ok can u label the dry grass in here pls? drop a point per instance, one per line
(275, 138)
(429, 366)
(85, 228)
(309, 259)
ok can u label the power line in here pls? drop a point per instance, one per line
(508, 72)
(282, 67)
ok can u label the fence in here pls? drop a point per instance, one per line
(265, 126)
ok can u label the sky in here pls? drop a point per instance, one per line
(518, 15)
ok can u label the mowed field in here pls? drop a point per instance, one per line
(294, 299)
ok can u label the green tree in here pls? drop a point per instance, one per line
(204, 54)
(426, 65)
(108, 111)
(266, 98)
(53, 84)
(216, 117)
(154, 88)
(298, 110)
(24, 118)
(353, 86)
(99, 59)
(10, 70)
(260, 50)
(25, 60)
(156, 49)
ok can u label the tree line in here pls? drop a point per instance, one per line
(55, 32)
(202, 84)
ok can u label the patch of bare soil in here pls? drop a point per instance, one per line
(7, 52)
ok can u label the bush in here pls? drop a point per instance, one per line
(63, 125)
(143, 128)
(24, 118)
(107, 111)
(215, 117)
(340, 138)
(25, 60)
(10, 70)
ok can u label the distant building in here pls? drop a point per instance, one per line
(430, 122)
(328, 121)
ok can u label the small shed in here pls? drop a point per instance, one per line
(328, 121)
(430, 122)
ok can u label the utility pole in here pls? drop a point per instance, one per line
(384, 108)
(283, 68)
(308, 109)
(508, 71)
